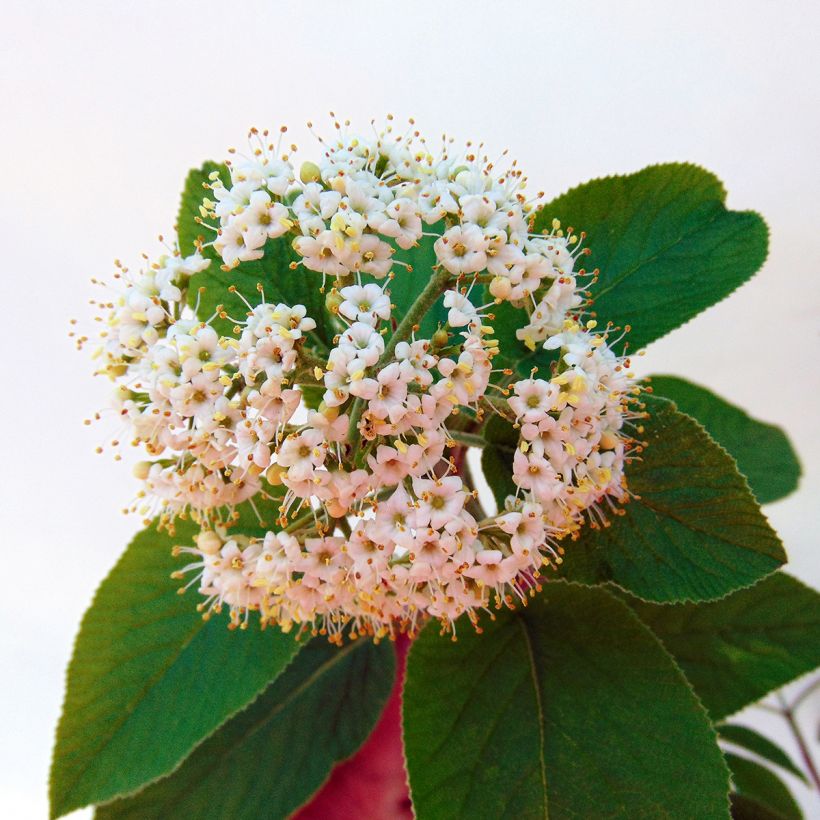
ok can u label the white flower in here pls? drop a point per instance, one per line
(399, 220)
(319, 253)
(463, 249)
(363, 342)
(381, 532)
(262, 219)
(461, 310)
(365, 303)
(230, 245)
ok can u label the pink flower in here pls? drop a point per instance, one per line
(533, 399)
(440, 501)
(492, 569)
(389, 465)
(388, 402)
(535, 473)
(526, 528)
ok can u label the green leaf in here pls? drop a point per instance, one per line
(760, 785)
(736, 650)
(744, 808)
(760, 745)
(694, 532)
(512, 352)
(763, 452)
(566, 708)
(497, 458)
(406, 285)
(269, 759)
(665, 244)
(189, 231)
(147, 679)
(280, 283)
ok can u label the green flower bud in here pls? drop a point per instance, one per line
(309, 172)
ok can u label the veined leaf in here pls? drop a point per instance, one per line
(760, 745)
(757, 785)
(763, 452)
(269, 759)
(736, 650)
(664, 242)
(407, 285)
(565, 708)
(497, 457)
(149, 679)
(272, 272)
(189, 231)
(694, 531)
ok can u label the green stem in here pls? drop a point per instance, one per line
(308, 518)
(308, 357)
(425, 301)
(493, 405)
(414, 315)
(470, 439)
(344, 526)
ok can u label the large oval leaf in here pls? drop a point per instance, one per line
(190, 231)
(149, 679)
(664, 242)
(694, 531)
(567, 708)
(736, 650)
(763, 452)
(272, 757)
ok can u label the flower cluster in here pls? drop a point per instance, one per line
(379, 525)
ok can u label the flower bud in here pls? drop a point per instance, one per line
(274, 474)
(330, 413)
(141, 470)
(440, 338)
(309, 172)
(501, 287)
(335, 509)
(333, 300)
(209, 542)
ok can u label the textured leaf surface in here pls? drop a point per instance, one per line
(736, 650)
(763, 452)
(761, 786)
(407, 285)
(272, 272)
(760, 745)
(270, 758)
(497, 457)
(566, 708)
(189, 231)
(695, 532)
(147, 680)
(664, 242)
(513, 353)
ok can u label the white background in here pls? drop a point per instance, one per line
(104, 107)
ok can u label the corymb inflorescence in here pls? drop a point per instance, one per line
(349, 417)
